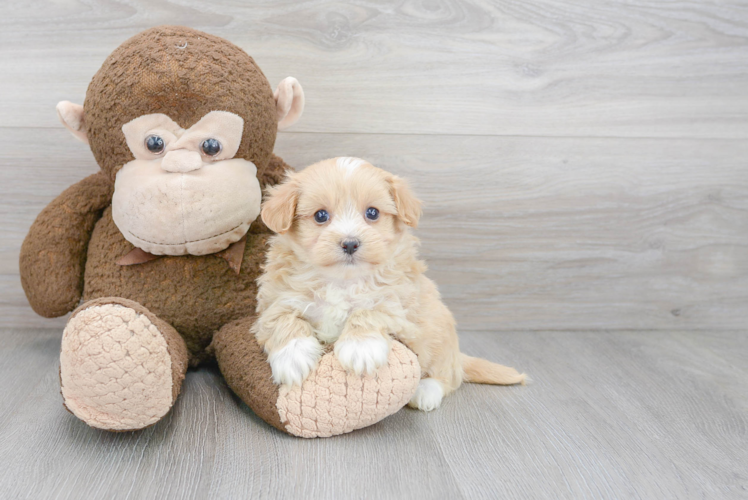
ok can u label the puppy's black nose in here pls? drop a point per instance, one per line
(350, 246)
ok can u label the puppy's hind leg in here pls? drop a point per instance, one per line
(429, 394)
(443, 377)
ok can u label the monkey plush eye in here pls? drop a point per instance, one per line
(155, 144)
(211, 147)
(372, 213)
(321, 216)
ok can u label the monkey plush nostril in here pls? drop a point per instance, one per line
(181, 160)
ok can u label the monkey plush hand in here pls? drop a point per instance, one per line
(159, 251)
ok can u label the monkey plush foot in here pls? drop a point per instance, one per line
(121, 367)
(330, 401)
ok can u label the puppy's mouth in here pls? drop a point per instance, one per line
(342, 261)
(352, 261)
(359, 261)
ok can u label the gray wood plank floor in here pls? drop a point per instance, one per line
(585, 171)
(627, 414)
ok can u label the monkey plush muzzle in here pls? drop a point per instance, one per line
(198, 212)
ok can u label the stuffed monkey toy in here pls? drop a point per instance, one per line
(158, 253)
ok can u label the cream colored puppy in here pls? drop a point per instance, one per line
(344, 269)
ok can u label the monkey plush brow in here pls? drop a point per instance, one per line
(223, 126)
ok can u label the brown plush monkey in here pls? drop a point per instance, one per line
(163, 245)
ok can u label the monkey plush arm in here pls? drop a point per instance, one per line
(53, 255)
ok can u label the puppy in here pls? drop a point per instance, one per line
(344, 269)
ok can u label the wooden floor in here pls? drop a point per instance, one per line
(584, 168)
(626, 414)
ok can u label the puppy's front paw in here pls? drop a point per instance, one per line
(362, 356)
(294, 362)
(428, 396)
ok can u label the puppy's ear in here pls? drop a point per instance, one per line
(408, 206)
(279, 208)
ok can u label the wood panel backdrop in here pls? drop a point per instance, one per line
(582, 166)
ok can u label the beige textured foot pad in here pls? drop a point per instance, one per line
(115, 368)
(332, 401)
(329, 402)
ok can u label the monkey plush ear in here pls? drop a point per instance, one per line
(289, 102)
(71, 115)
(279, 208)
(408, 206)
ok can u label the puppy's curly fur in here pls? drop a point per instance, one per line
(339, 272)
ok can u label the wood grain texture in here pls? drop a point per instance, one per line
(648, 414)
(547, 67)
(494, 110)
(519, 233)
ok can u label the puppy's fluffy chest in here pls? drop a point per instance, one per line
(333, 304)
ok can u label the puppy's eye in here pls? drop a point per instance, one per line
(372, 213)
(211, 147)
(155, 144)
(321, 216)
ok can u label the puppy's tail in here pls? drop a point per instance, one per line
(481, 371)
